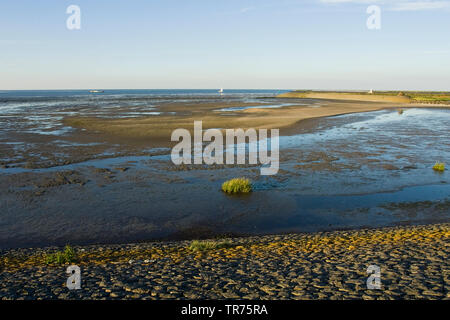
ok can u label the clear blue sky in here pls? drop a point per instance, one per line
(315, 44)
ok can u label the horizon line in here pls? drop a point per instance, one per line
(233, 89)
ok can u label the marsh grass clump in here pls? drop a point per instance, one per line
(237, 185)
(68, 255)
(208, 245)
(439, 166)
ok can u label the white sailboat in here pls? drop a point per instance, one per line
(221, 91)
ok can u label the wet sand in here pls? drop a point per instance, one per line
(115, 133)
(159, 128)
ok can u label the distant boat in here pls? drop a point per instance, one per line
(221, 91)
(96, 91)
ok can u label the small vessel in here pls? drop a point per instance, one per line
(221, 91)
(96, 91)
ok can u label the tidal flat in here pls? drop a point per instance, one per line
(83, 174)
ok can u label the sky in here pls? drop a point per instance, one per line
(246, 44)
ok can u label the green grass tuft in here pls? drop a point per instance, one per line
(62, 257)
(208, 245)
(237, 185)
(439, 166)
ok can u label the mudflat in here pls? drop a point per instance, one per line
(343, 164)
(93, 133)
(158, 129)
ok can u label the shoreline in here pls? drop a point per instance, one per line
(409, 97)
(323, 265)
(24, 251)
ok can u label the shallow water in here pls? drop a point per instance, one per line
(387, 149)
(413, 125)
(43, 110)
(267, 106)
